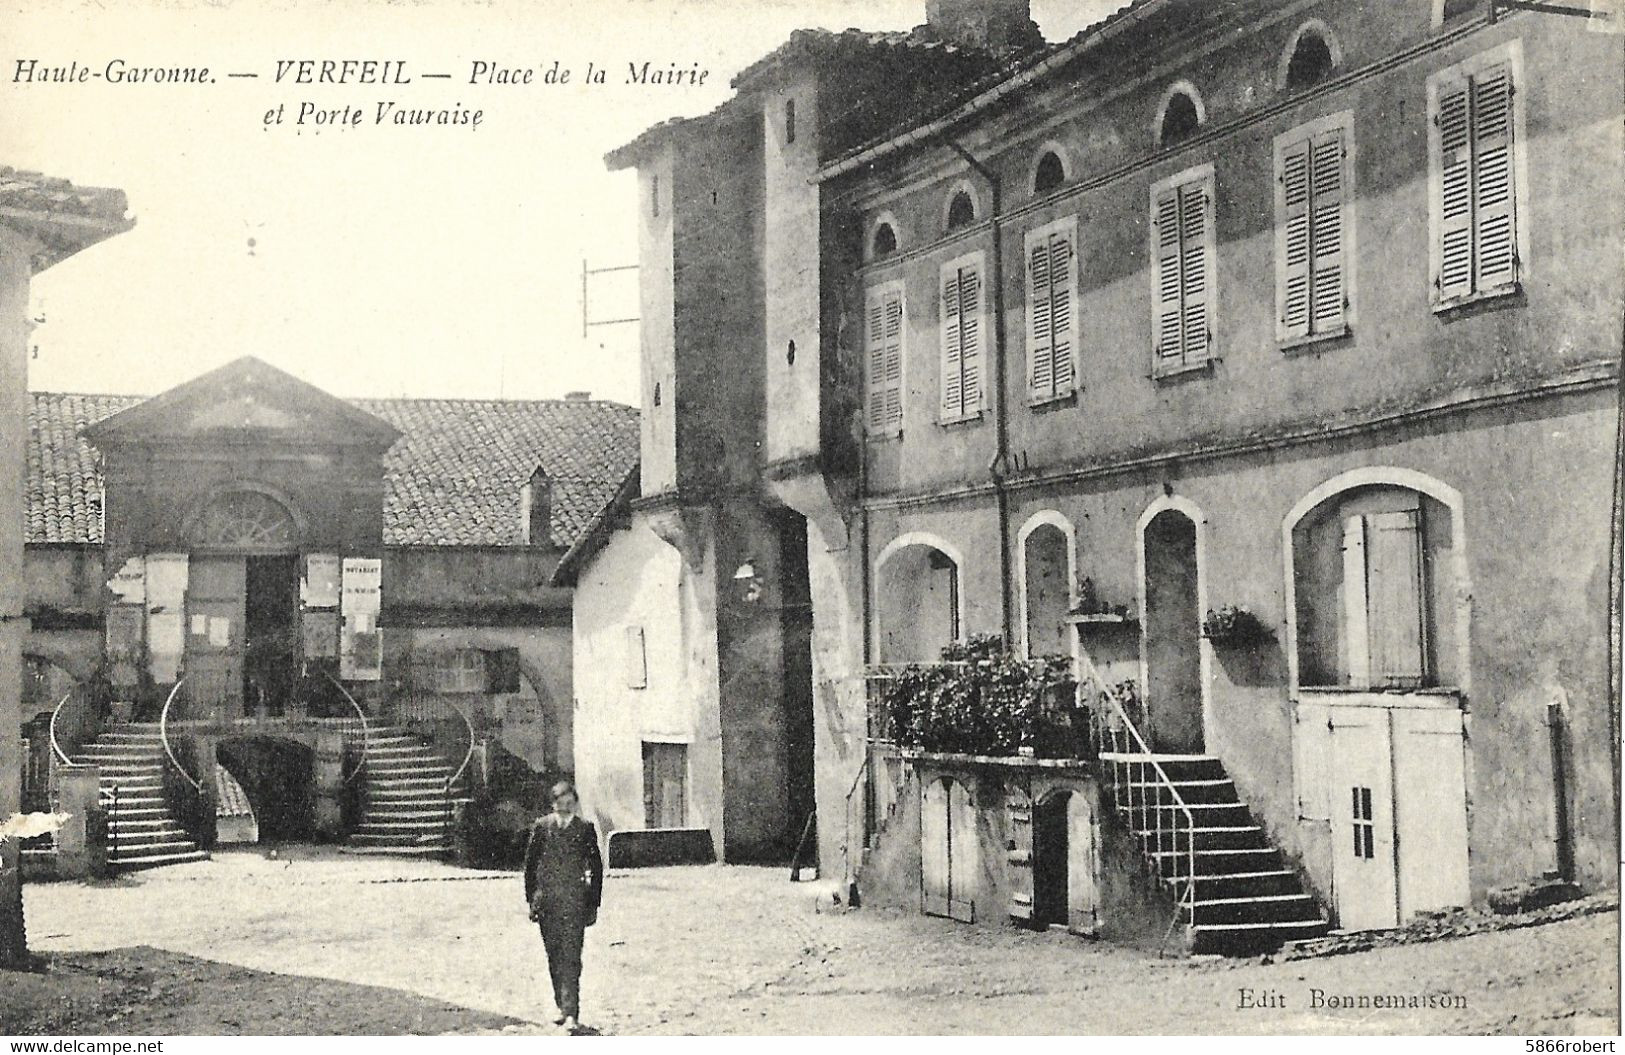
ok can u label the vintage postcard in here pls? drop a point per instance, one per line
(784, 517)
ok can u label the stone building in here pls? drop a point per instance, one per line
(1263, 357)
(43, 221)
(346, 605)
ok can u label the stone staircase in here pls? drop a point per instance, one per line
(142, 832)
(1246, 898)
(407, 809)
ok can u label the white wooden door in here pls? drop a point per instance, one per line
(1083, 864)
(1364, 869)
(1430, 809)
(964, 853)
(934, 848)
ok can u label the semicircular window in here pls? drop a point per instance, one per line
(1311, 61)
(245, 520)
(1049, 174)
(885, 241)
(1180, 119)
(961, 210)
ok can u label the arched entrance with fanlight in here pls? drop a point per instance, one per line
(242, 603)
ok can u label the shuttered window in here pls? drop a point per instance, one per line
(883, 344)
(1475, 206)
(1183, 250)
(1052, 310)
(963, 323)
(1312, 233)
(1384, 619)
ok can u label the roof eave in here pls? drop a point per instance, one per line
(936, 127)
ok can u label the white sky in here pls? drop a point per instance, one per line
(389, 261)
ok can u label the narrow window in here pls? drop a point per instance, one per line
(1050, 173)
(789, 121)
(1180, 119)
(961, 338)
(654, 194)
(1311, 60)
(1052, 309)
(1183, 246)
(1364, 824)
(1475, 242)
(961, 210)
(883, 344)
(1311, 217)
(885, 241)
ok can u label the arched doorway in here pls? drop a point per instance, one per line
(279, 779)
(917, 600)
(950, 857)
(1066, 863)
(1046, 584)
(1172, 632)
(242, 604)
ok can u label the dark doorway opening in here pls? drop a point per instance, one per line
(1173, 635)
(795, 626)
(1051, 855)
(279, 778)
(271, 645)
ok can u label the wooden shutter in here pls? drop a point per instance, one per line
(1356, 637)
(1196, 270)
(934, 828)
(875, 349)
(961, 340)
(1495, 256)
(953, 390)
(1394, 597)
(1040, 320)
(1169, 309)
(1063, 254)
(883, 340)
(893, 361)
(1018, 807)
(1051, 331)
(1328, 270)
(1293, 280)
(970, 316)
(1455, 249)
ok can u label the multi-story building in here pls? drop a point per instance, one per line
(1264, 356)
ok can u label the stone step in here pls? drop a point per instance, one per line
(157, 860)
(1237, 939)
(1175, 864)
(407, 839)
(1270, 908)
(1247, 884)
(399, 851)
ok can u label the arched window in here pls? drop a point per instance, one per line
(884, 242)
(961, 210)
(1181, 116)
(1310, 58)
(245, 521)
(1049, 174)
(1373, 574)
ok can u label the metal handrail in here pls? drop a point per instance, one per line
(359, 766)
(56, 713)
(1146, 816)
(163, 734)
(846, 847)
(468, 756)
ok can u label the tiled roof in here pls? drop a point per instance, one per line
(962, 100)
(452, 479)
(62, 217)
(36, 192)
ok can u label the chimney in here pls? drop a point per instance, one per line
(992, 24)
(577, 397)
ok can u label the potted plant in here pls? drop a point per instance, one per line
(1233, 625)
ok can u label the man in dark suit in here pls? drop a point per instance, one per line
(564, 884)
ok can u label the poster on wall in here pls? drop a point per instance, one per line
(124, 626)
(320, 586)
(360, 648)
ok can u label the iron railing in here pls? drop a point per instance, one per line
(163, 734)
(74, 723)
(361, 763)
(1146, 798)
